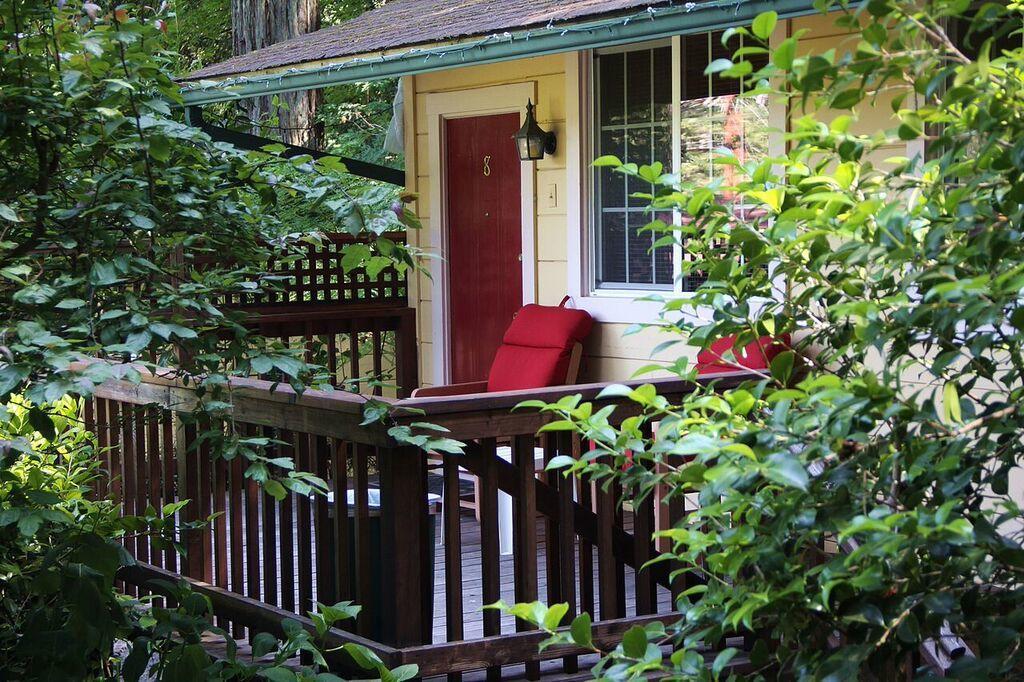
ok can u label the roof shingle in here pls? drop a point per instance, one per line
(405, 23)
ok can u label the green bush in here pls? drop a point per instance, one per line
(892, 425)
(123, 231)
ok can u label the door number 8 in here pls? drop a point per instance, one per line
(487, 166)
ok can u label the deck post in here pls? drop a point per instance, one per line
(406, 354)
(405, 549)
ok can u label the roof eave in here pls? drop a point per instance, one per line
(649, 24)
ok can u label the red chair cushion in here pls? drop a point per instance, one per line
(755, 355)
(536, 348)
(517, 367)
(544, 326)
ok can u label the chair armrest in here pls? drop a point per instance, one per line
(450, 389)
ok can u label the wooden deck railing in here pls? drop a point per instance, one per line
(318, 279)
(356, 325)
(262, 560)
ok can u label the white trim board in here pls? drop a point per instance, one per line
(498, 99)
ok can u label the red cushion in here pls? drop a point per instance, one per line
(543, 326)
(517, 367)
(535, 350)
(755, 355)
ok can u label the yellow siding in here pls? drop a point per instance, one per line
(609, 354)
(548, 75)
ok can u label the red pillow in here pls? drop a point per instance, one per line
(755, 355)
(536, 348)
(547, 326)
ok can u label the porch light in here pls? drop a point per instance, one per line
(532, 141)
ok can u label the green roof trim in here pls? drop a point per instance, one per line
(649, 24)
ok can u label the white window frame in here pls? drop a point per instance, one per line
(622, 305)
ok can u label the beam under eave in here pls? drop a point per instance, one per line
(364, 169)
(650, 24)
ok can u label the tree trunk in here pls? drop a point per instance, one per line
(258, 23)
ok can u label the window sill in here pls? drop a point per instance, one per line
(623, 307)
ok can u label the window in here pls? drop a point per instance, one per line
(637, 118)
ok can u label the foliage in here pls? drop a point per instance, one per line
(122, 234)
(58, 610)
(854, 499)
(201, 32)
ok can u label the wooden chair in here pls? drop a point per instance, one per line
(542, 347)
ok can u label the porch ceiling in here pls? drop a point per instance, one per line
(415, 36)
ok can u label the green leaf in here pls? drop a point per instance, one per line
(558, 425)
(560, 462)
(554, 615)
(764, 24)
(42, 423)
(8, 214)
(782, 366)
(606, 161)
(951, 403)
(634, 642)
(363, 656)
(278, 674)
(401, 673)
(263, 643)
(275, 489)
(159, 147)
(784, 54)
(722, 660)
(786, 469)
(773, 198)
(581, 632)
(718, 66)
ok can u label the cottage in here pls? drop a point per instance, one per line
(614, 77)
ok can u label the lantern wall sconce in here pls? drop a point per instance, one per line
(531, 140)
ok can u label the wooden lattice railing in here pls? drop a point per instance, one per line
(318, 280)
(262, 560)
(355, 325)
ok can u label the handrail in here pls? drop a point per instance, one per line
(345, 401)
(340, 413)
(505, 400)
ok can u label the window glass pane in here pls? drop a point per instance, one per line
(612, 247)
(695, 59)
(641, 261)
(714, 116)
(720, 85)
(696, 130)
(638, 87)
(635, 125)
(612, 184)
(662, 77)
(611, 89)
(663, 145)
(663, 270)
(638, 150)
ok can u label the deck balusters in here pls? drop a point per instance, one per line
(261, 560)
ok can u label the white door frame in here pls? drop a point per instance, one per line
(498, 99)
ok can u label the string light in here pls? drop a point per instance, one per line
(277, 79)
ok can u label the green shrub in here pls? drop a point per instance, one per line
(892, 425)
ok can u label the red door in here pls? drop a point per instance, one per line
(485, 269)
